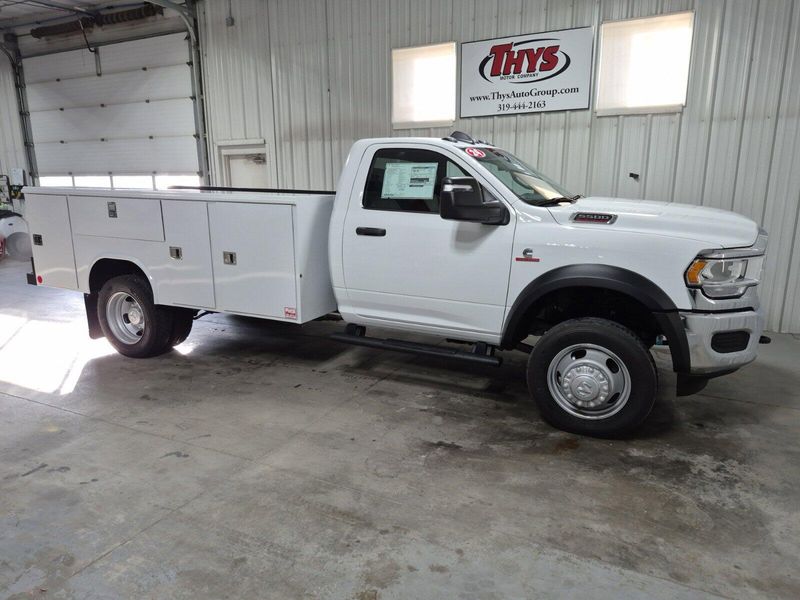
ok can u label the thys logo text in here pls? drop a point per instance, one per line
(524, 62)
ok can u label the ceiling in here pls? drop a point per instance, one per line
(14, 12)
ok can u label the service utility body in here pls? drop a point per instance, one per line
(445, 238)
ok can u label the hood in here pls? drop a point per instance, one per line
(712, 226)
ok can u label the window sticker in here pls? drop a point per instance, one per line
(409, 180)
(475, 152)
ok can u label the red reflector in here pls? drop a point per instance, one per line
(39, 279)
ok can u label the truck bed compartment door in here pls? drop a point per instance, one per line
(115, 217)
(186, 278)
(252, 250)
(53, 254)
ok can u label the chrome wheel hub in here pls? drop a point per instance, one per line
(589, 381)
(125, 318)
(135, 315)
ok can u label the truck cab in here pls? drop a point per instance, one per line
(460, 239)
(452, 238)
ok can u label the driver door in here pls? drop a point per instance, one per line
(406, 266)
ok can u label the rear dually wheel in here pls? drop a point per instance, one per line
(131, 321)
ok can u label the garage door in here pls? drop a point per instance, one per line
(120, 117)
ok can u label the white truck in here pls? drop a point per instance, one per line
(453, 238)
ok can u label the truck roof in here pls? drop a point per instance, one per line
(426, 140)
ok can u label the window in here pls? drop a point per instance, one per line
(407, 179)
(424, 86)
(93, 181)
(644, 64)
(527, 183)
(119, 182)
(55, 181)
(164, 182)
(133, 182)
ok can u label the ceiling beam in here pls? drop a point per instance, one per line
(56, 6)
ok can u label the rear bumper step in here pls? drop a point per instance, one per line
(417, 348)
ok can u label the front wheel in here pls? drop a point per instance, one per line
(593, 377)
(130, 320)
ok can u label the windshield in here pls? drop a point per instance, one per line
(527, 183)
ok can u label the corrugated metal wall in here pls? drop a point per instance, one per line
(12, 150)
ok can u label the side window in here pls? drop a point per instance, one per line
(407, 179)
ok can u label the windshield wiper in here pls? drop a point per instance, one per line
(559, 200)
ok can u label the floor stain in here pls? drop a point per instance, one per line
(32, 471)
(177, 454)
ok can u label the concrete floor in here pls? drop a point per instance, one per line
(264, 461)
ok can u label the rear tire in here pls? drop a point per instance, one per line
(592, 377)
(182, 321)
(130, 320)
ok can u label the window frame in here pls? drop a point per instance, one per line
(423, 124)
(641, 110)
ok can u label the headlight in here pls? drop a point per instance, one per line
(720, 278)
(727, 273)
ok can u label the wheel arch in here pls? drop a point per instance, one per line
(102, 270)
(637, 288)
(106, 268)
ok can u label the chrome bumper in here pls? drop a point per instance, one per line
(700, 329)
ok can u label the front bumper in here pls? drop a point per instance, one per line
(701, 328)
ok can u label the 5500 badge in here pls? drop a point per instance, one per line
(526, 73)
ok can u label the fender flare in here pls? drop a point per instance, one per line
(610, 278)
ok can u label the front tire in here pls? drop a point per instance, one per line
(592, 377)
(130, 320)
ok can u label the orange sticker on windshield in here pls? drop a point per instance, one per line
(475, 152)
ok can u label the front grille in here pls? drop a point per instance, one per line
(730, 341)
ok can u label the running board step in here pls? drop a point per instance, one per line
(417, 348)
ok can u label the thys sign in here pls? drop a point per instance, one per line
(526, 73)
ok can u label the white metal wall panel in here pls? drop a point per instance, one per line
(136, 117)
(64, 65)
(236, 62)
(163, 118)
(298, 44)
(151, 52)
(12, 149)
(783, 193)
(729, 98)
(163, 83)
(121, 157)
(761, 106)
(313, 76)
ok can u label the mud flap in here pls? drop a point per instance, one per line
(693, 384)
(90, 301)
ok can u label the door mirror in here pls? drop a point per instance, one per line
(462, 199)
